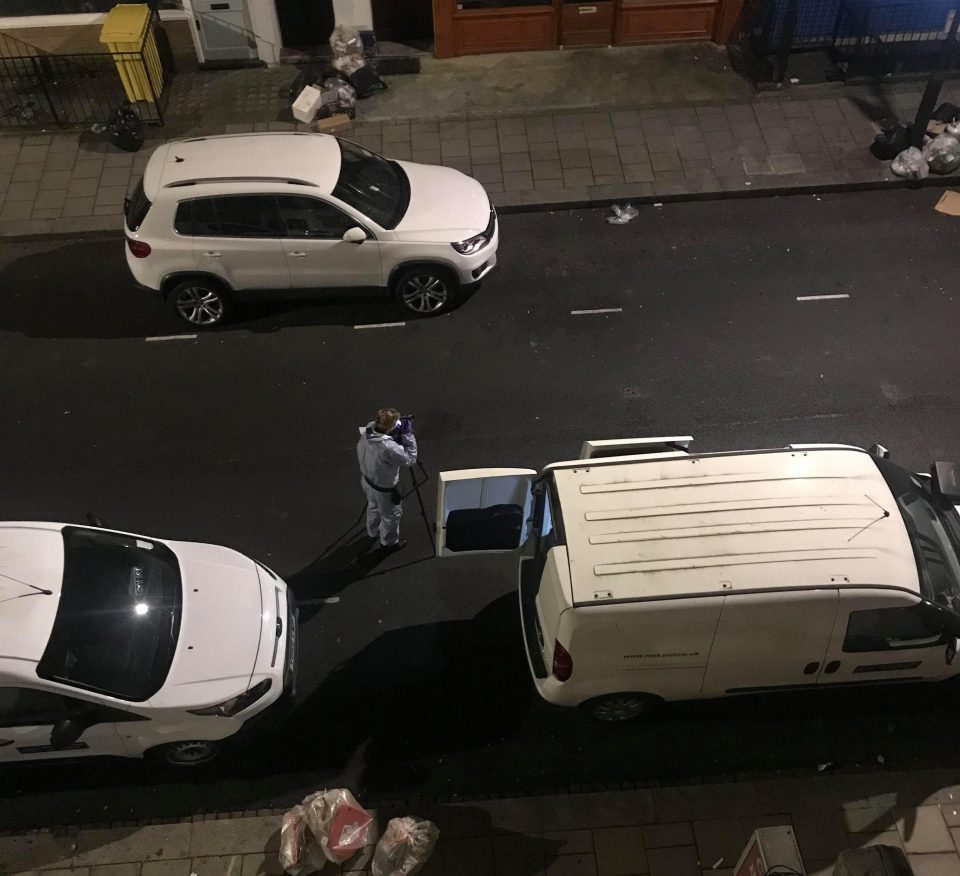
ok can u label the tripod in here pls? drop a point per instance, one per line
(423, 511)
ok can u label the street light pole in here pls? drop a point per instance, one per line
(932, 92)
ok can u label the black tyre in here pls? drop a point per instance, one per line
(426, 289)
(623, 707)
(200, 301)
(189, 753)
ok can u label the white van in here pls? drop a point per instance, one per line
(648, 573)
(119, 644)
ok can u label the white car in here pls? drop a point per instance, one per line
(118, 644)
(284, 213)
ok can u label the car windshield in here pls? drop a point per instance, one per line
(934, 531)
(372, 185)
(119, 615)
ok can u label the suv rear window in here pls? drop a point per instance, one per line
(136, 207)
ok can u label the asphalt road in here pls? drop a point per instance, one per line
(413, 680)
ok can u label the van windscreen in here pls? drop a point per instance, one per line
(118, 619)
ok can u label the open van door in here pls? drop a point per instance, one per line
(483, 510)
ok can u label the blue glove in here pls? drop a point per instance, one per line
(405, 426)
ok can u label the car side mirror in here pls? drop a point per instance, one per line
(65, 732)
(879, 451)
(354, 235)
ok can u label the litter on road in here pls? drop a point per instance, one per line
(949, 203)
(622, 215)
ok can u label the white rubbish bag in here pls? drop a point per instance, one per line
(622, 215)
(943, 153)
(338, 822)
(405, 846)
(911, 164)
(299, 851)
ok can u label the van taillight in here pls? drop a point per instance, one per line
(562, 663)
(139, 249)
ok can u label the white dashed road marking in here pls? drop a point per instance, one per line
(598, 310)
(820, 297)
(171, 338)
(380, 325)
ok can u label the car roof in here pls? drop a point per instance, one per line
(31, 560)
(725, 523)
(305, 158)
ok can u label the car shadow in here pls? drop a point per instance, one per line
(84, 290)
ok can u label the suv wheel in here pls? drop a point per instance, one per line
(200, 301)
(426, 289)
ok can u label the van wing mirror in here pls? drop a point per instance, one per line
(879, 451)
(66, 732)
(946, 480)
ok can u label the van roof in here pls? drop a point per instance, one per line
(311, 159)
(711, 523)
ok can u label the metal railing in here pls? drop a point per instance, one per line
(45, 89)
(861, 38)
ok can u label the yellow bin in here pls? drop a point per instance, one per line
(127, 33)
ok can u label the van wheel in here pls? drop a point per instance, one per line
(426, 290)
(192, 752)
(201, 301)
(623, 706)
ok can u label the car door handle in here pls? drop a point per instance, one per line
(298, 255)
(4, 742)
(213, 255)
(831, 667)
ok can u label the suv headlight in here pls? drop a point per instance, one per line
(472, 244)
(229, 708)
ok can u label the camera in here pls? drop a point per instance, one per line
(404, 425)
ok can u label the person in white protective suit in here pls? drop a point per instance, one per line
(386, 443)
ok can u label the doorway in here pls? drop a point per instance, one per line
(409, 22)
(306, 24)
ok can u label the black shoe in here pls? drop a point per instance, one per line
(390, 548)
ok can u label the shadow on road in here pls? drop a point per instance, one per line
(84, 290)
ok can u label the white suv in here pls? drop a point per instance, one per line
(119, 644)
(290, 212)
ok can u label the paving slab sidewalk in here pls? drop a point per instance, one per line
(693, 830)
(75, 182)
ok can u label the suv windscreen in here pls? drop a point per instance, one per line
(118, 619)
(934, 532)
(136, 207)
(372, 185)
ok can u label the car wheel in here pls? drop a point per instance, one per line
(426, 290)
(191, 752)
(200, 301)
(623, 706)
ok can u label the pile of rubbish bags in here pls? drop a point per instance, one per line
(940, 153)
(333, 826)
(320, 92)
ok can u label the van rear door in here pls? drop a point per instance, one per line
(483, 510)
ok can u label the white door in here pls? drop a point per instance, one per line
(223, 30)
(28, 718)
(238, 238)
(317, 254)
(882, 637)
(770, 641)
(483, 510)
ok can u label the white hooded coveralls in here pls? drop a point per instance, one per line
(380, 458)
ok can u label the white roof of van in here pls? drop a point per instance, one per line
(313, 159)
(31, 556)
(731, 522)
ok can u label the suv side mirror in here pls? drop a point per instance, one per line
(879, 451)
(65, 732)
(354, 235)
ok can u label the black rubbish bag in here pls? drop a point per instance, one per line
(890, 142)
(312, 74)
(126, 129)
(366, 81)
(946, 112)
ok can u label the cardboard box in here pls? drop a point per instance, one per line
(332, 125)
(306, 105)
